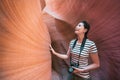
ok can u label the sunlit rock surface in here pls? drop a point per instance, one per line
(24, 41)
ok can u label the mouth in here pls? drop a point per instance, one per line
(76, 29)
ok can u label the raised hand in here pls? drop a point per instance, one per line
(51, 49)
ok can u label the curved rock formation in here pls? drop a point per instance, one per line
(61, 17)
(25, 39)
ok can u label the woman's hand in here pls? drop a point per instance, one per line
(77, 70)
(63, 56)
(51, 49)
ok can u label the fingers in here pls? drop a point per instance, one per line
(75, 68)
(51, 48)
(50, 45)
(76, 71)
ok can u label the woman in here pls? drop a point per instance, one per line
(79, 51)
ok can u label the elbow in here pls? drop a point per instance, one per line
(66, 57)
(97, 65)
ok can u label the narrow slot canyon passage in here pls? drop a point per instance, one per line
(28, 27)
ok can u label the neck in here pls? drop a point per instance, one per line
(80, 38)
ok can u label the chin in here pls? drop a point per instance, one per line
(76, 33)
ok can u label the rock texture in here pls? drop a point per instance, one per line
(27, 27)
(24, 41)
(103, 15)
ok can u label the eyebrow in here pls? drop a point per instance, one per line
(80, 24)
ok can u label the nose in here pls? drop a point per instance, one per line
(77, 28)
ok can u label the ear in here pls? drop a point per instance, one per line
(85, 30)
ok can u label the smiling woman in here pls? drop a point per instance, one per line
(24, 41)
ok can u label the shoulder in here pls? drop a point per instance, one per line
(90, 42)
(73, 40)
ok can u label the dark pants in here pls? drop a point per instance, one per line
(75, 77)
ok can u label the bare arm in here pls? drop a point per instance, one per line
(95, 63)
(92, 66)
(63, 56)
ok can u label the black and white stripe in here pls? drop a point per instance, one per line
(89, 47)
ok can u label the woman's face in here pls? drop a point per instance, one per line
(79, 29)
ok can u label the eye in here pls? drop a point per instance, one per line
(79, 25)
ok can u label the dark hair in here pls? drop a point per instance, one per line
(86, 26)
